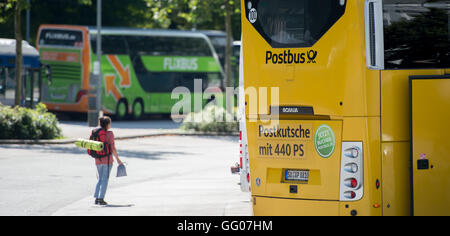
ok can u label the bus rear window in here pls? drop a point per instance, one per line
(293, 23)
(61, 38)
(416, 34)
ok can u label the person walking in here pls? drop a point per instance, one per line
(104, 164)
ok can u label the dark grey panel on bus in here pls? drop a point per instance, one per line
(293, 23)
(416, 34)
(152, 45)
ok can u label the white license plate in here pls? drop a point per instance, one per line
(297, 175)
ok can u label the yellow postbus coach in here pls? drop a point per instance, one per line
(362, 121)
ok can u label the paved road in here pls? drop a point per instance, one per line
(167, 176)
(79, 129)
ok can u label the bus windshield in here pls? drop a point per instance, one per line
(219, 43)
(61, 38)
(293, 23)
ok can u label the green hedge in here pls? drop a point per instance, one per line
(31, 124)
(212, 119)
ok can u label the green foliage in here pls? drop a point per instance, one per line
(211, 119)
(153, 14)
(187, 14)
(24, 123)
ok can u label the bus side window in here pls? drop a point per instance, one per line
(417, 36)
(111, 45)
(2, 81)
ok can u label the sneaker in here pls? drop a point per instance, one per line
(97, 201)
(101, 202)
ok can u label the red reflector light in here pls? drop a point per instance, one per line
(354, 183)
(350, 195)
(351, 183)
(248, 178)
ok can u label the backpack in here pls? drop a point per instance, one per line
(99, 135)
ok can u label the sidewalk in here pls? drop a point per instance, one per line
(121, 129)
(188, 181)
(73, 130)
(191, 197)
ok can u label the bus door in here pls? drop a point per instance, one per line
(430, 149)
(7, 85)
(32, 87)
(30, 90)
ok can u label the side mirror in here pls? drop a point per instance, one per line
(48, 74)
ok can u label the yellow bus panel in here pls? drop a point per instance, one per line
(263, 206)
(396, 179)
(394, 103)
(430, 115)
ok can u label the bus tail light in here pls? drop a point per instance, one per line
(350, 195)
(351, 182)
(351, 168)
(80, 95)
(242, 151)
(238, 167)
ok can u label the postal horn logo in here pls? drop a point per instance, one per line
(312, 56)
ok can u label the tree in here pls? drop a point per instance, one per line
(190, 14)
(201, 14)
(171, 14)
(6, 19)
(18, 6)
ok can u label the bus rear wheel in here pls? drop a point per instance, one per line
(121, 110)
(138, 110)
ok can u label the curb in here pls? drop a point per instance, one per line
(71, 141)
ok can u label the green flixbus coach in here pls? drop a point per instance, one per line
(140, 68)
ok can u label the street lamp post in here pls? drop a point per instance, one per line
(95, 96)
(28, 22)
(99, 56)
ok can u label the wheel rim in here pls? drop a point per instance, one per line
(137, 110)
(122, 110)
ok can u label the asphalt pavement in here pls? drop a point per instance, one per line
(174, 175)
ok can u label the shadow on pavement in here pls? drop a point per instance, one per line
(167, 124)
(82, 117)
(156, 155)
(119, 206)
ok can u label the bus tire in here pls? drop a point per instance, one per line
(122, 110)
(138, 109)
